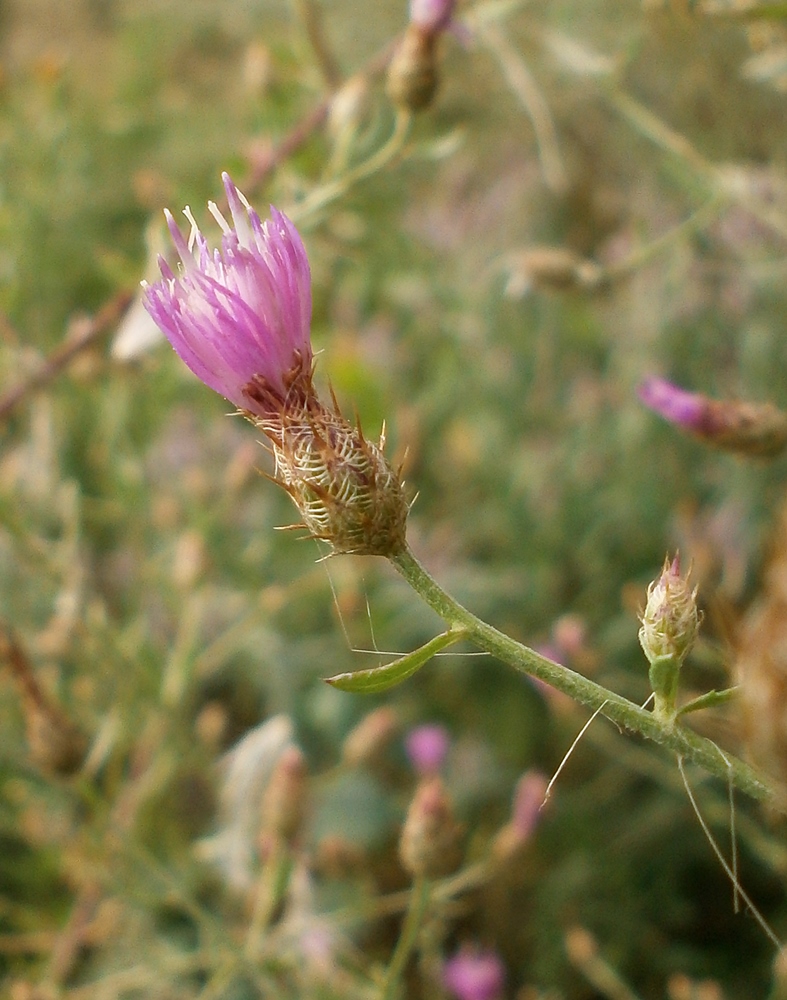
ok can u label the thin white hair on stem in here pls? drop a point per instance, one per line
(339, 614)
(375, 650)
(736, 903)
(732, 875)
(574, 745)
(568, 753)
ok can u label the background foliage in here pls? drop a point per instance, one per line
(138, 565)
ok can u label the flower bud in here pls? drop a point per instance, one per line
(550, 269)
(429, 845)
(525, 814)
(412, 73)
(746, 428)
(284, 799)
(56, 745)
(670, 621)
(371, 737)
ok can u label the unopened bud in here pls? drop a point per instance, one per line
(746, 428)
(56, 744)
(285, 797)
(412, 73)
(525, 814)
(670, 621)
(429, 846)
(347, 106)
(554, 269)
(371, 737)
(337, 858)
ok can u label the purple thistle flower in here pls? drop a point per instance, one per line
(241, 311)
(747, 428)
(688, 409)
(427, 747)
(474, 975)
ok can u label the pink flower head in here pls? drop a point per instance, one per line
(427, 747)
(747, 428)
(239, 311)
(432, 15)
(528, 801)
(687, 409)
(474, 975)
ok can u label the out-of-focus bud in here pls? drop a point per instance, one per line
(246, 771)
(681, 987)
(56, 744)
(550, 269)
(525, 814)
(337, 858)
(347, 106)
(369, 740)
(746, 428)
(284, 799)
(432, 15)
(427, 747)
(412, 73)
(429, 845)
(670, 621)
(472, 974)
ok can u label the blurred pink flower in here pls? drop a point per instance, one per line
(528, 800)
(688, 409)
(432, 15)
(474, 975)
(427, 747)
(241, 311)
(735, 425)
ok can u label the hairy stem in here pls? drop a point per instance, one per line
(687, 744)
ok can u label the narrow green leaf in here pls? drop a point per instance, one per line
(712, 699)
(378, 679)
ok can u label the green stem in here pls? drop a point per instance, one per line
(334, 189)
(617, 709)
(419, 899)
(271, 889)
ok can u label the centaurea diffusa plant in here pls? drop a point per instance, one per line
(239, 317)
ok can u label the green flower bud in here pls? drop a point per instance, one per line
(670, 621)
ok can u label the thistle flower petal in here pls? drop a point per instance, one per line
(474, 975)
(432, 15)
(239, 311)
(738, 426)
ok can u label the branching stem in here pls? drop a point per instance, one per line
(624, 713)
